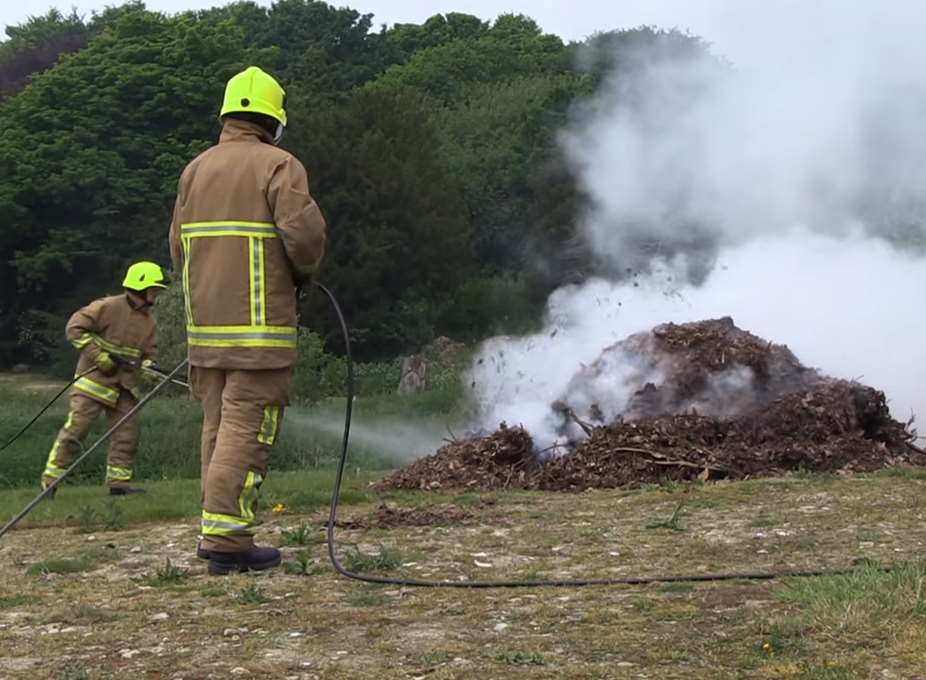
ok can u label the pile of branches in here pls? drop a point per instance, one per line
(503, 460)
(729, 405)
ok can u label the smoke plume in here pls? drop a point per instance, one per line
(788, 194)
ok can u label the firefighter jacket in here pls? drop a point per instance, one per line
(123, 328)
(245, 232)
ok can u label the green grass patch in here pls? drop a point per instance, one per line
(170, 433)
(387, 559)
(166, 576)
(251, 594)
(519, 658)
(367, 596)
(85, 561)
(13, 601)
(213, 591)
(302, 534)
(673, 523)
(302, 564)
(91, 509)
(867, 602)
(677, 587)
(826, 670)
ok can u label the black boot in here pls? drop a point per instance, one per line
(254, 558)
(201, 552)
(124, 490)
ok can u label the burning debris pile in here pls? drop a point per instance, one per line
(698, 400)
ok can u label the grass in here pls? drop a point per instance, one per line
(302, 534)
(848, 627)
(86, 560)
(89, 508)
(14, 601)
(169, 444)
(673, 523)
(517, 658)
(168, 575)
(251, 594)
(867, 603)
(387, 559)
(302, 564)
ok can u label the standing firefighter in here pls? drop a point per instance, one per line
(245, 233)
(116, 338)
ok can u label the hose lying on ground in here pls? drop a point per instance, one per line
(533, 583)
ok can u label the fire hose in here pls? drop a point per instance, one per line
(508, 583)
(166, 378)
(156, 371)
(50, 489)
(46, 407)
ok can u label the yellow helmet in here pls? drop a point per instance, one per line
(143, 275)
(255, 91)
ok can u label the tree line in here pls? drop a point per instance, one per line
(432, 150)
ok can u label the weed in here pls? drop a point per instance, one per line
(300, 535)
(386, 560)
(251, 594)
(212, 591)
(762, 521)
(828, 670)
(87, 519)
(302, 565)
(780, 635)
(114, 518)
(86, 614)
(13, 601)
(168, 575)
(674, 523)
(676, 587)
(62, 565)
(76, 675)
(862, 601)
(367, 598)
(432, 659)
(516, 658)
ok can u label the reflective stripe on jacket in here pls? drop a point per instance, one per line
(245, 229)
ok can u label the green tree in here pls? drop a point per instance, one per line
(513, 47)
(91, 150)
(37, 44)
(399, 238)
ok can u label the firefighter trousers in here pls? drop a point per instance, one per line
(123, 443)
(242, 412)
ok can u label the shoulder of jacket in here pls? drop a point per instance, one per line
(284, 159)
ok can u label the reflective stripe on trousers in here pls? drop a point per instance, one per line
(217, 524)
(91, 388)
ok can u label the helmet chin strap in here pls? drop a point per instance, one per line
(278, 134)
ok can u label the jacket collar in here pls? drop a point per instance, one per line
(136, 302)
(234, 130)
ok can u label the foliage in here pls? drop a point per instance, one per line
(431, 148)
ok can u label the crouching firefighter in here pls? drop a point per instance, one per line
(245, 233)
(116, 337)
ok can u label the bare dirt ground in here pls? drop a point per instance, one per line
(121, 612)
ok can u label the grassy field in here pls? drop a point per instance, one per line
(93, 587)
(169, 445)
(97, 589)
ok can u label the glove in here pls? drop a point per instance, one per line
(105, 363)
(149, 377)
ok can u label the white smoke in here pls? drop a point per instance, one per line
(789, 195)
(851, 307)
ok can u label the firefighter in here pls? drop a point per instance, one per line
(116, 338)
(245, 233)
